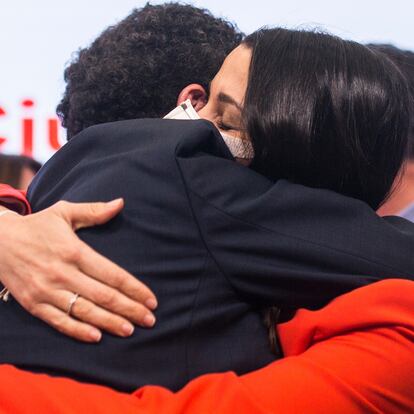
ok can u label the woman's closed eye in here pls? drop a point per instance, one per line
(226, 127)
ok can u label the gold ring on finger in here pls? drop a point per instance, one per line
(72, 301)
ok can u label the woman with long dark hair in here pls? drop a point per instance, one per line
(314, 110)
(318, 110)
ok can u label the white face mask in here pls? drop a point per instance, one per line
(239, 148)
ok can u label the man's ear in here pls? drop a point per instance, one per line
(196, 94)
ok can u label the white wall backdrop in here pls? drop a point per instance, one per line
(38, 37)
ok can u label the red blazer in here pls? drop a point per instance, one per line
(354, 356)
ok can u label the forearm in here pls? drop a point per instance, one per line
(327, 380)
(275, 241)
(5, 214)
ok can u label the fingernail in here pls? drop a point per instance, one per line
(115, 203)
(95, 335)
(127, 329)
(149, 320)
(151, 304)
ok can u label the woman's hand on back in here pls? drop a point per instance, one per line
(44, 265)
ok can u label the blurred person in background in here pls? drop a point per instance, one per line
(17, 171)
(401, 201)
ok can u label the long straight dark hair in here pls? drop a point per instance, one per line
(326, 113)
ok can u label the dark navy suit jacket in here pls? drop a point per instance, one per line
(214, 240)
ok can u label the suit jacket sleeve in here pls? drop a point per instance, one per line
(276, 243)
(283, 243)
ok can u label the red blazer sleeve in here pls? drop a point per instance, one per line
(14, 199)
(355, 356)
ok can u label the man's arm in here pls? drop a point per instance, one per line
(286, 244)
(275, 242)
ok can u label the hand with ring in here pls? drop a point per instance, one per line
(58, 278)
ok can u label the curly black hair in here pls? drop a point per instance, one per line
(137, 68)
(404, 59)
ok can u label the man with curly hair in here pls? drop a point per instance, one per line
(138, 67)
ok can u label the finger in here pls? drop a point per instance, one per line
(107, 298)
(80, 215)
(65, 324)
(87, 312)
(107, 272)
